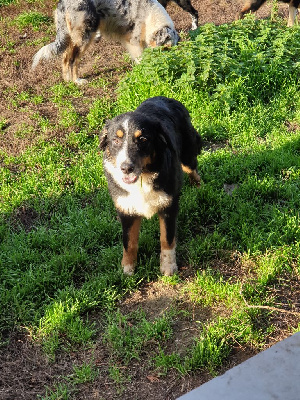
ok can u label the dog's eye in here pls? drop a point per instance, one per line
(142, 139)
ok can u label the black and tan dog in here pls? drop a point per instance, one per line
(254, 5)
(136, 24)
(186, 5)
(145, 152)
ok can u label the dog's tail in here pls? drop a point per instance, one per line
(57, 47)
(47, 52)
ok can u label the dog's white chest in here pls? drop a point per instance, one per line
(142, 199)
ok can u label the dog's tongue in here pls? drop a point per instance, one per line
(130, 178)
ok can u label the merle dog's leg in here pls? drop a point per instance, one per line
(293, 9)
(82, 24)
(131, 228)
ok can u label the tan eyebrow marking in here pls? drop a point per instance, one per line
(137, 133)
(120, 133)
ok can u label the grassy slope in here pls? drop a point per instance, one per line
(60, 242)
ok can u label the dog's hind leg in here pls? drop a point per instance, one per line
(187, 6)
(82, 27)
(70, 63)
(131, 228)
(193, 174)
(191, 147)
(135, 48)
(167, 222)
(81, 37)
(250, 5)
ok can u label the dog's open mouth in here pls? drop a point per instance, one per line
(130, 178)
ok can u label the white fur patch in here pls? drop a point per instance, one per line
(125, 125)
(122, 155)
(128, 269)
(141, 199)
(156, 19)
(168, 264)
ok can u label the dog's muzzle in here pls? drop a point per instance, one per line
(129, 175)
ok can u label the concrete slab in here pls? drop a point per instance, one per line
(273, 374)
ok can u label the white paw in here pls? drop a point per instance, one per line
(128, 269)
(97, 37)
(80, 81)
(168, 264)
(168, 269)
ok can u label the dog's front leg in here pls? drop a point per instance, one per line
(167, 221)
(131, 228)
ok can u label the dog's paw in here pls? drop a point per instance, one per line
(195, 179)
(97, 37)
(168, 264)
(168, 269)
(80, 81)
(194, 21)
(128, 269)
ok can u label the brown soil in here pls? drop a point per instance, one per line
(25, 371)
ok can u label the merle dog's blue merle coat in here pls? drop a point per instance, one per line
(136, 24)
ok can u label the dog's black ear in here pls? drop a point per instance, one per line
(166, 150)
(103, 137)
(166, 138)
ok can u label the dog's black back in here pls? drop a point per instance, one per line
(178, 131)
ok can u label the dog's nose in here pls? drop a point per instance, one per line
(127, 167)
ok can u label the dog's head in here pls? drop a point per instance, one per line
(131, 142)
(166, 37)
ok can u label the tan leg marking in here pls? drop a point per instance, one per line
(130, 255)
(76, 49)
(143, 36)
(193, 175)
(244, 10)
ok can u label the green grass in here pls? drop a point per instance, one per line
(60, 240)
(82, 374)
(6, 2)
(32, 18)
(128, 334)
